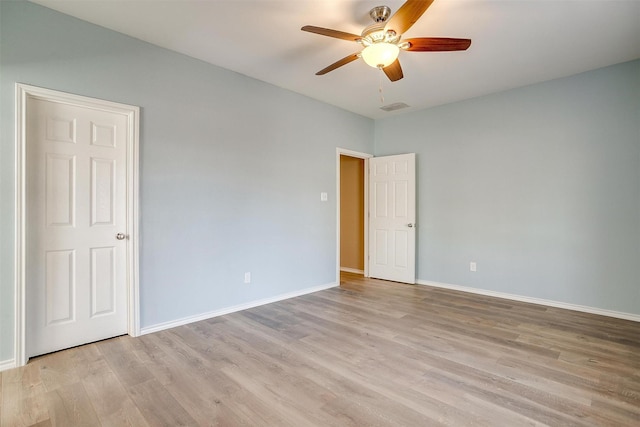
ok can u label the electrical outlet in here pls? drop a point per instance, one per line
(472, 266)
(247, 277)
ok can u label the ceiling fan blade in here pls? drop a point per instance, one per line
(331, 33)
(394, 71)
(407, 15)
(437, 44)
(340, 63)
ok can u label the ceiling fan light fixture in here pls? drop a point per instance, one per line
(380, 55)
(382, 40)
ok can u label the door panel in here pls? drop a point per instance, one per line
(76, 277)
(392, 218)
(60, 190)
(401, 246)
(103, 285)
(103, 203)
(60, 273)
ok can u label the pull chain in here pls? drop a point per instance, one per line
(380, 87)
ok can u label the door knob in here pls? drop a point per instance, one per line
(410, 225)
(120, 236)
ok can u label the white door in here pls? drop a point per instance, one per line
(392, 218)
(76, 204)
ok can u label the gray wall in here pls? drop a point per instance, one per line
(231, 168)
(539, 185)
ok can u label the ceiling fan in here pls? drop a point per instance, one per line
(382, 40)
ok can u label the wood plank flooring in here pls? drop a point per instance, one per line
(370, 353)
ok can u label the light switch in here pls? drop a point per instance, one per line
(323, 197)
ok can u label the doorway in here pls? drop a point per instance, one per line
(352, 211)
(352, 221)
(77, 220)
(389, 211)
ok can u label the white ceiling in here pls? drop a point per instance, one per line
(514, 43)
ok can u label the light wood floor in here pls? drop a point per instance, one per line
(369, 353)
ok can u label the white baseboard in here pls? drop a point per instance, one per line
(351, 270)
(7, 364)
(227, 310)
(532, 300)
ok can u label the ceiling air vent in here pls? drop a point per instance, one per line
(395, 106)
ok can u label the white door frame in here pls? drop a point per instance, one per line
(23, 93)
(365, 157)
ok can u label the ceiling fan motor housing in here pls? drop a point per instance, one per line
(375, 32)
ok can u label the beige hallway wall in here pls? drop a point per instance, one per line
(351, 213)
